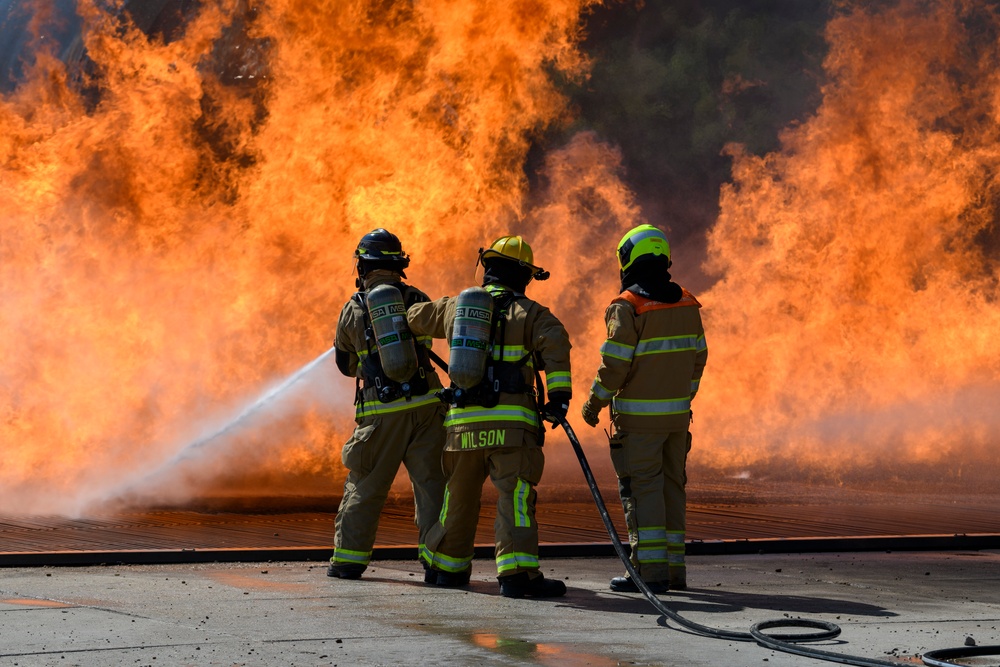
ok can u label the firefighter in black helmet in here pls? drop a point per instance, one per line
(397, 422)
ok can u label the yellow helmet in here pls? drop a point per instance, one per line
(516, 249)
(639, 242)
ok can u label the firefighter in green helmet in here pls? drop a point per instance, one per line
(495, 428)
(399, 421)
(651, 366)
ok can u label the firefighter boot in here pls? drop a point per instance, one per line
(453, 579)
(523, 585)
(342, 571)
(626, 585)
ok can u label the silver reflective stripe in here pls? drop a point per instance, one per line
(670, 406)
(701, 344)
(695, 384)
(617, 350)
(652, 555)
(649, 534)
(600, 392)
(645, 234)
(669, 344)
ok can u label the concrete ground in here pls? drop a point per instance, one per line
(891, 606)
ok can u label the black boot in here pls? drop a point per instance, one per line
(345, 571)
(523, 585)
(453, 579)
(626, 585)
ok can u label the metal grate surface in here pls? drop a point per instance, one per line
(559, 523)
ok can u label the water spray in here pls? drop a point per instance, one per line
(786, 643)
(194, 447)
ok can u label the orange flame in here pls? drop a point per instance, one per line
(853, 324)
(176, 233)
(173, 240)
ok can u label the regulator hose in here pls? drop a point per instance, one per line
(786, 643)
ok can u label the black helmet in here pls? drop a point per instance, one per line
(380, 249)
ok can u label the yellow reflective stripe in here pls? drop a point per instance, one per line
(444, 562)
(512, 561)
(512, 353)
(522, 490)
(695, 384)
(444, 506)
(501, 413)
(701, 344)
(400, 404)
(349, 556)
(558, 381)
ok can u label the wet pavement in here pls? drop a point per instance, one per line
(891, 606)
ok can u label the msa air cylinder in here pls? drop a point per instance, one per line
(393, 338)
(470, 340)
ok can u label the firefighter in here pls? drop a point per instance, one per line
(496, 430)
(651, 365)
(397, 422)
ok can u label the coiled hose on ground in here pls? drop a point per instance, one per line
(787, 643)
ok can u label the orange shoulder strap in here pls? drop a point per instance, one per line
(644, 305)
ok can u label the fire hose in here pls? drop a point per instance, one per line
(787, 643)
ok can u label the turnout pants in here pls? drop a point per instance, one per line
(372, 456)
(651, 480)
(515, 471)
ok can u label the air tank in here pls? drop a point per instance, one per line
(393, 338)
(470, 340)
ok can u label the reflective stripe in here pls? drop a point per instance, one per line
(701, 344)
(501, 413)
(426, 341)
(598, 390)
(348, 556)
(617, 350)
(675, 548)
(441, 561)
(695, 384)
(513, 354)
(652, 546)
(651, 554)
(665, 344)
(668, 406)
(558, 381)
(512, 561)
(444, 506)
(400, 404)
(521, 492)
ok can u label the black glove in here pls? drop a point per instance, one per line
(556, 408)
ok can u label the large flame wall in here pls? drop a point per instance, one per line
(173, 244)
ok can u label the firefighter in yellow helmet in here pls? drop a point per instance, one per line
(495, 429)
(651, 365)
(398, 422)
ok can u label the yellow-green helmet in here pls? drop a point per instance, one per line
(642, 241)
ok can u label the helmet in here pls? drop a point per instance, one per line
(515, 249)
(378, 249)
(642, 241)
